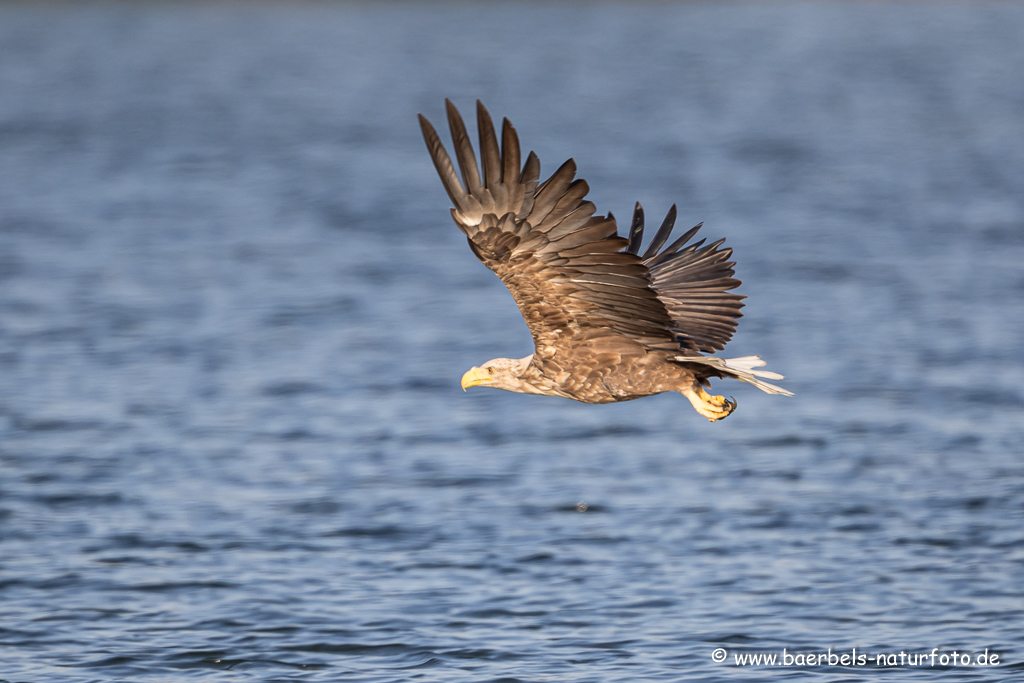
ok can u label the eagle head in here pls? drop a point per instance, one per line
(499, 373)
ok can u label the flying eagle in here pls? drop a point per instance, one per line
(609, 323)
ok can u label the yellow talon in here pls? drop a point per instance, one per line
(714, 408)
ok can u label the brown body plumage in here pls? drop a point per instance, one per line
(608, 323)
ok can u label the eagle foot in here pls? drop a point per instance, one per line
(714, 408)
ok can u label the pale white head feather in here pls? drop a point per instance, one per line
(500, 373)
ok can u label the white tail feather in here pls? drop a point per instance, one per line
(742, 369)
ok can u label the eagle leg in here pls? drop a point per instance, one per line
(714, 408)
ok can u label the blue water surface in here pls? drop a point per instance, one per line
(234, 313)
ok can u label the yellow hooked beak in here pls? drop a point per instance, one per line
(475, 377)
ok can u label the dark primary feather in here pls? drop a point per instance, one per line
(574, 279)
(661, 236)
(636, 230)
(693, 282)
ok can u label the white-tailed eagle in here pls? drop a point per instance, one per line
(609, 323)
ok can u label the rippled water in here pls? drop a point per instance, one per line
(234, 313)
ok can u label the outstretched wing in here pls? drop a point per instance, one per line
(568, 270)
(693, 281)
